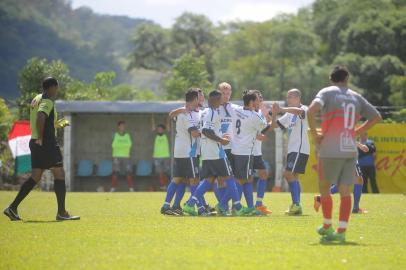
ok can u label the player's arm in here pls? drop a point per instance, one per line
(314, 108)
(41, 117)
(367, 125)
(44, 109)
(174, 113)
(363, 147)
(294, 110)
(194, 131)
(209, 133)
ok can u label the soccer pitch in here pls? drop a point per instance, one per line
(126, 231)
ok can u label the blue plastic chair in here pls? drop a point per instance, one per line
(105, 168)
(144, 168)
(85, 168)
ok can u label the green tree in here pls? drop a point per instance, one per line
(6, 120)
(152, 48)
(31, 77)
(188, 71)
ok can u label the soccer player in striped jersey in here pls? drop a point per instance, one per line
(259, 163)
(185, 151)
(340, 108)
(295, 122)
(246, 127)
(215, 162)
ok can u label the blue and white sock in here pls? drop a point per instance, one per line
(231, 193)
(294, 187)
(180, 192)
(248, 190)
(261, 187)
(170, 192)
(201, 189)
(357, 195)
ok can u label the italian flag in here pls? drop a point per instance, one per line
(19, 142)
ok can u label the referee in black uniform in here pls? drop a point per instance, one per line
(45, 152)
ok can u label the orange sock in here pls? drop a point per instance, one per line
(345, 212)
(327, 207)
(130, 181)
(114, 181)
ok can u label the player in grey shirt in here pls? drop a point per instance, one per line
(340, 108)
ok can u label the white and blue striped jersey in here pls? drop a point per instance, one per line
(210, 149)
(246, 127)
(296, 126)
(185, 145)
(227, 116)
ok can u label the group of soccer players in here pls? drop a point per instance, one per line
(226, 140)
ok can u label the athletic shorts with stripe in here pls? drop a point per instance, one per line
(337, 170)
(186, 168)
(243, 166)
(216, 168)
(358, 170)
(259, 163)
(296, 162)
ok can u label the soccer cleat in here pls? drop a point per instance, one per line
(210, 209)
(220, 210)
(323, 231)
(177, 210)
(317, 203)
(11, 214)
(333, 237)
(294, 210)
(66, 216)
(245, 211)
(167, 211)
(189, 210)
(264, 210)
(359, 211)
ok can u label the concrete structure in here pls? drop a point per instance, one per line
(93, 124)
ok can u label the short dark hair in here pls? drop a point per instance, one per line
(191, 94)
(48, 82)
(214, 93)
(120, 123)
(339, 74)
(249, 95)
(161, 126)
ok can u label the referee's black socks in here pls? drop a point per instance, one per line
(60, 191)
(24, 190)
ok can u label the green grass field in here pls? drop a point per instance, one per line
(126, 230)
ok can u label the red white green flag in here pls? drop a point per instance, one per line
(19, 142)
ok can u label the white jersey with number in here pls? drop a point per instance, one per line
(210, 149)
(185, 144)
(227, 116)
(296, 125)
(247, 124)
(258, 144)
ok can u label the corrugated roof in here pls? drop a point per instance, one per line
(120, 106)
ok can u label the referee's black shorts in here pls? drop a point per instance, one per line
(45, 156)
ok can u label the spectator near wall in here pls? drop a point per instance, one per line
(161, 155)
(121, 149)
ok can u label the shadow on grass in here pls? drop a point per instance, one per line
(41, 221)
(346, 243)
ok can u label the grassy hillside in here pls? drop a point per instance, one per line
(85, 41)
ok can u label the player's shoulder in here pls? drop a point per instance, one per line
(235, 106)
